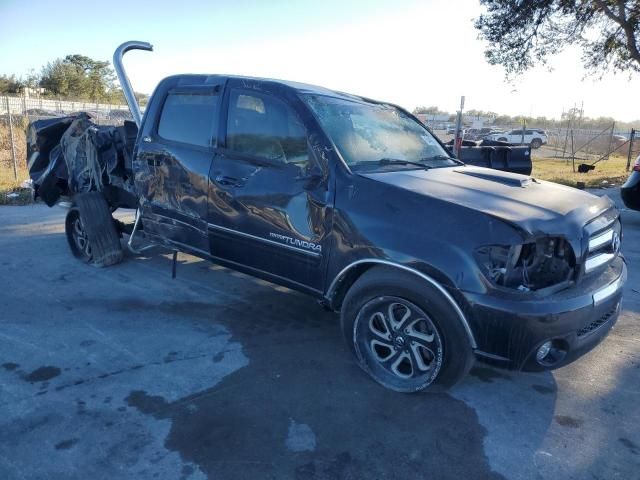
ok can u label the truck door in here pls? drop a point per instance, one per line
(269, 193)
(173, 162)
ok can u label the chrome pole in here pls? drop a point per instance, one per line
(124, 80)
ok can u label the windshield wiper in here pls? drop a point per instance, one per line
(397, 161)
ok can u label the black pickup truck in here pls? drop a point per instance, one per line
(430, 262)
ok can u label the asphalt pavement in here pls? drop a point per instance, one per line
(123, 372)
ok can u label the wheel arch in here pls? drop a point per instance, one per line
(341, 284)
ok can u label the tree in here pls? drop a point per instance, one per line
(10, 84)
(433, 110)
(79, 77)
(522, 33)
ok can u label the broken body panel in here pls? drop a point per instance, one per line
(515, 254)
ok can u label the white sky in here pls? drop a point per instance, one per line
(406, 52)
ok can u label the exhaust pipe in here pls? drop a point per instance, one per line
(125, 84)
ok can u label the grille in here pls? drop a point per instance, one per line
(596, 324)
(604, 246)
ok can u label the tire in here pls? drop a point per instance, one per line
(502, 139)
(91, 231)
(404, 333)
(536, 143)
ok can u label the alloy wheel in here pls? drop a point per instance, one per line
(398, 342)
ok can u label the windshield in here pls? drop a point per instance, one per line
(376, 135)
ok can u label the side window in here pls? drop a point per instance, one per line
(263, 126)
(528, 132)
(516, 132)
(189, 118)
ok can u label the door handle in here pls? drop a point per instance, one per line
(228, 181)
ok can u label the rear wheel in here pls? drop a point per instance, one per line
(502, 139)
(91, 231)
(404, 333)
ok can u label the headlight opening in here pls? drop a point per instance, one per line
(535, 265)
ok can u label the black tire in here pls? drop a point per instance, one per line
(91, 230)
(536, 143)
(502, 139)
(439, 363)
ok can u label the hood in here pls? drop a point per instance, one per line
(534, 206)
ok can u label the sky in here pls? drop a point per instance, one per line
(413, 53)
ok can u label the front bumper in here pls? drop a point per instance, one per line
(509, 331)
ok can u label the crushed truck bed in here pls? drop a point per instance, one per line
(72, 154)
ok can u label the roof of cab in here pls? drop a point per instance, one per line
(303, 88)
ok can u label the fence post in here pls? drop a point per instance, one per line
(573, 153)
(12, 140)
(631, 136)
(613, 126)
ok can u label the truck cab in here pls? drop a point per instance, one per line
(234, 168)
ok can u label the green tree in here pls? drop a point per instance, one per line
(10, 84)
(522, 33)
(78, 76)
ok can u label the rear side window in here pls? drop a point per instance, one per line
(264, 126)
(189, 118)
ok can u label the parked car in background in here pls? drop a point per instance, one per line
(630, 191)
(452, 130)
(533, 137)
(480, 133)
(472, 134)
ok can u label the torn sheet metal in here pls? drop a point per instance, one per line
(72, 154)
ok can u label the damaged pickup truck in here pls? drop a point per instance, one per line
(430, 262)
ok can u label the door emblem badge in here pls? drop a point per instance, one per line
(294, 242)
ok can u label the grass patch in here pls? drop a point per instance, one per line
(10, 191)
(607, 172)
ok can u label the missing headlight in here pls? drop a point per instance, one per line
(546, 262)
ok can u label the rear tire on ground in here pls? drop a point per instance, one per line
(404, 332)
(91, 230)
(502, 139)
(536, 143)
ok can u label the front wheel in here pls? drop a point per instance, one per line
(404, 333)
(536, 143)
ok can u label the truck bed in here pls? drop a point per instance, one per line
(72, 154)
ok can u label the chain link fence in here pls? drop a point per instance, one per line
(592, 144)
